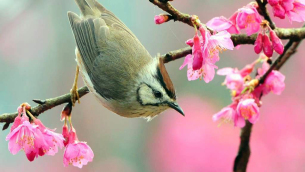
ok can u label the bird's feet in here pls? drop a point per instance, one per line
(74, 89)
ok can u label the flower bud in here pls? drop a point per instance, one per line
(276, 42)
(267, 46)
(162, 18)
(66, 112)
(197, 53)
(258, 44)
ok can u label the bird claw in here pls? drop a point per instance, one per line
(74, 95)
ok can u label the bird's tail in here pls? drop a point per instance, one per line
(90, 7)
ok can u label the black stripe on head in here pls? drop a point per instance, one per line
(170, 92)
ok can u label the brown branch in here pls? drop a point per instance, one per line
(263, 11)
(45, 105)
(242, 158)
(177, 15)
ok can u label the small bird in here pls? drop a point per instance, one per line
(116, 67)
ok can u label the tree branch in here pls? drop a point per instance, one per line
(242, 158)
(294, 34)
(263, 11)
(44, 106)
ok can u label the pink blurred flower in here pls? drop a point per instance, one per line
(249, 110)
(248, 18)
(77, 153)
(221, 23)
(267, 46)
(276, 42)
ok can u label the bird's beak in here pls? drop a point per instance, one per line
(175, 106)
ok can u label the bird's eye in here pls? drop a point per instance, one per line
(157, 94)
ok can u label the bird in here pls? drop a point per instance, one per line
(116, 67)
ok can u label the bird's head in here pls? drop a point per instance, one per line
(156, 91)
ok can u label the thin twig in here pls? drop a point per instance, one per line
(48, 104)
(264, 12)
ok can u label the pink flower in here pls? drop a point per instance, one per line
(221, 23)
(205, 54)
(206, 72)
(26, 136)
(248, 109)
(294, 9)
(267, 46)
(274, 81)
(234, 80)
(258, 44)
(297, 13)
(77, 153)
(276, 42)
(35, 139)
(52, 140)
(227, 114)
(248, 18)
(159, 19)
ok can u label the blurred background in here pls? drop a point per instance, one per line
(37, 61)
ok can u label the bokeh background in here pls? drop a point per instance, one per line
(37, 61)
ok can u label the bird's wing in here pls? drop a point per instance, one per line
(110, 52)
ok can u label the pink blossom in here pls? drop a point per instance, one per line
(52, 140)
(248, 18)
(159, 19)
(234, 80)
(27, 137)
(221, 23)
(276, 42)
(297, 13)
(227, 114)
(77, 153)
(294, 9)
(267, 46)
(248, 109)
(258, 44)
(35, 139)
(274, 81)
